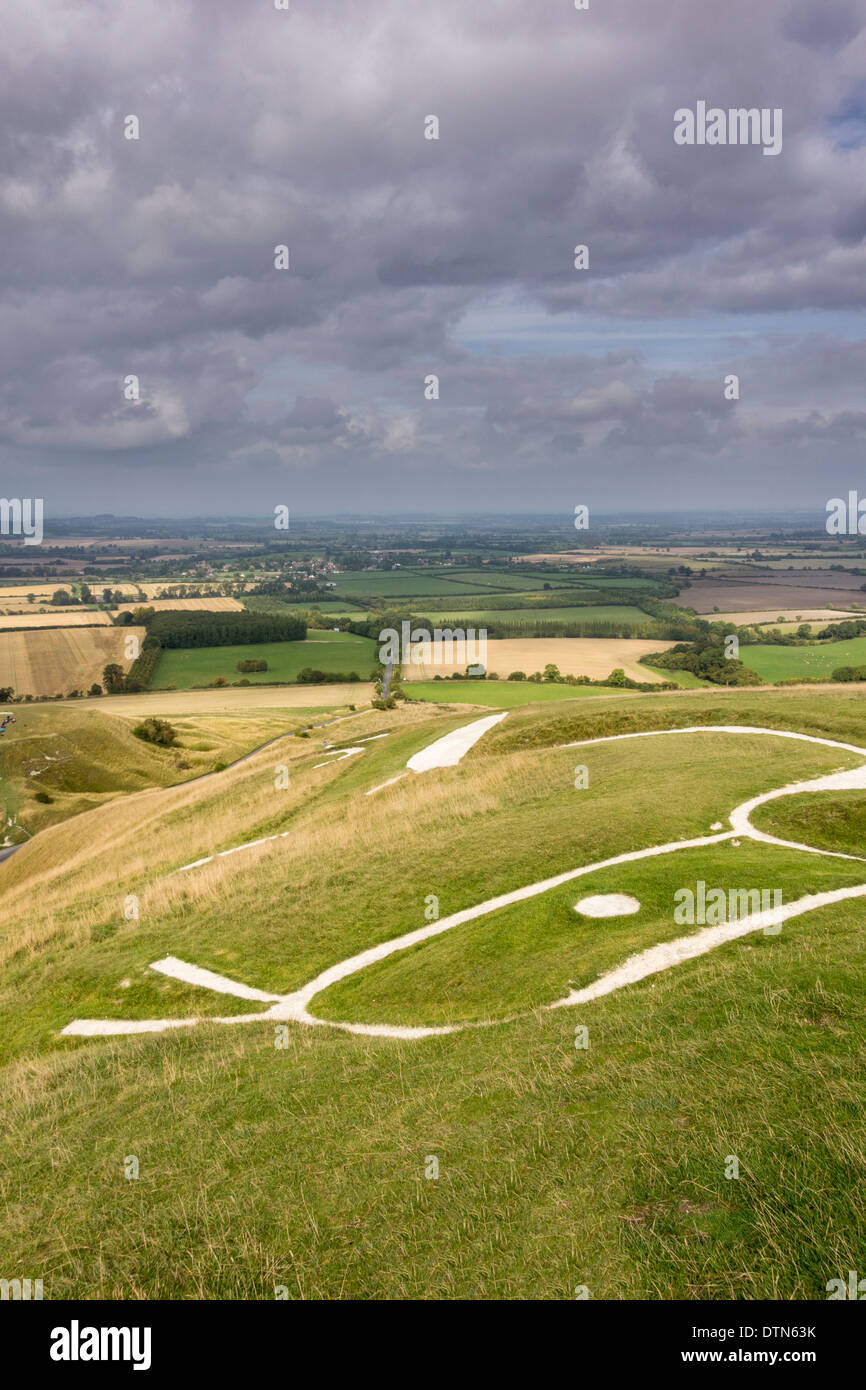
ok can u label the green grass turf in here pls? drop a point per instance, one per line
(532, 953)
(814, 659)
(827, 820)
(497, 694)
(327, 651)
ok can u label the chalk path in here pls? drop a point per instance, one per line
(294, 1007)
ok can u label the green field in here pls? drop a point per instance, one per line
(501, 579)
(336, 608)
(596, 612)
(815, 659)
(302, 1160)
(389, 584)
(499, 694)
(331, 652)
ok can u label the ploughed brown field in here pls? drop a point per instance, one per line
(785, 590)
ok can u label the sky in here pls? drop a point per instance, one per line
(410, 258)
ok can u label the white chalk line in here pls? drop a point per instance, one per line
(293, 1007)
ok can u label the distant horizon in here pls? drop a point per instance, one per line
(421, 516)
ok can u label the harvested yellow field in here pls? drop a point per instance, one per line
(165, 587)
(595, 657)
(168, 703)
(216, 604)
(54, 617)
(58, 660)
(20, 591)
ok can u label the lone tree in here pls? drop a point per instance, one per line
(113, 678)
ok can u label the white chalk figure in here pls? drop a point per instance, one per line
(294, 1007)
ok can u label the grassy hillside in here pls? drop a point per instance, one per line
(80, 756)
(305, 1165)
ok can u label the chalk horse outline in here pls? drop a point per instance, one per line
(293, 1007)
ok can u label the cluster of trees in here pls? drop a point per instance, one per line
(157, 731)
(706, 658)
(200, 629)
(138, 617)
(849, 673)
(309, 676)
(843, 632)
(252, 664)
(63, 598)
(142, 670)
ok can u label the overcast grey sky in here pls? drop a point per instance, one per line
(408, 257)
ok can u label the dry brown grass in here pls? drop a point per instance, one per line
(71, 870)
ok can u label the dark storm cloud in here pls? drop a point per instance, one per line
(258, 127)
